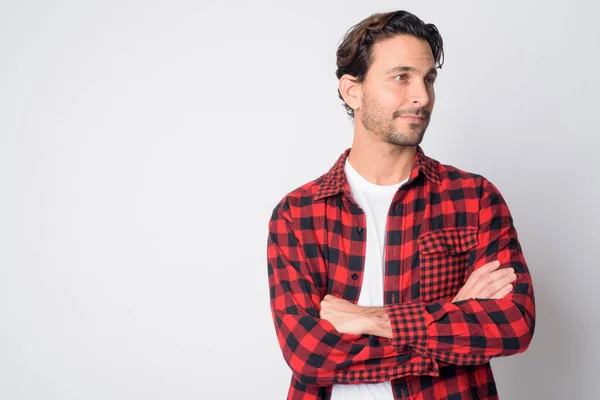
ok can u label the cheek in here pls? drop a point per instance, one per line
(402, 100)
(431, 95)
(384, 104)
(392, 95)
(397, 102)
(400, 97)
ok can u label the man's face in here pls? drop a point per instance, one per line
(398, 85)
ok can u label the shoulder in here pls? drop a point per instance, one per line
(451, 173)
(292, 204)
(454, 178)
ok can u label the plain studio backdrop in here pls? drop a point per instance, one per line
(144, 144)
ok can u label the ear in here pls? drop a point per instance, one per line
(351, 91)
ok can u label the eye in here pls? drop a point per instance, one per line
(402, 77)
(430, 80)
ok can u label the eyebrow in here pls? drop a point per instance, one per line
(403, 68)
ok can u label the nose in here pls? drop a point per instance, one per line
(419, 95)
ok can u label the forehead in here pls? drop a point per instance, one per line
(402, 49)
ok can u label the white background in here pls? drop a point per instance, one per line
(144, 144)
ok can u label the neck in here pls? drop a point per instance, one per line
(381, 163)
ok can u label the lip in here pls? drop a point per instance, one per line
(413, 118)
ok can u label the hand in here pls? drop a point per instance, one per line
(346, 317)
(487, 282)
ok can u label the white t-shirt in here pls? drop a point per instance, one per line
(375, 200)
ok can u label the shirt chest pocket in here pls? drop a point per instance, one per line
(443, 260)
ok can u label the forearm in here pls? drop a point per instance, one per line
(465, 332)
(348, 359)
(437, 334)
(377, 322)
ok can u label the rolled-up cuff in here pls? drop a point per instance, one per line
(409, 325)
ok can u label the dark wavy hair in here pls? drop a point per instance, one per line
(354, 54)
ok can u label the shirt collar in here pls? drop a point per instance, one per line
(335, 180)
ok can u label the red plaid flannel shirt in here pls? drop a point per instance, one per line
(443, 223)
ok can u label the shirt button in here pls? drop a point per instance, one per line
(450, 247)
(358, 229)
(354, 276)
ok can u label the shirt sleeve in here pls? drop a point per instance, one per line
(316, 353)
(473, 331)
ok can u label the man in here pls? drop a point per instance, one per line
(392, 275)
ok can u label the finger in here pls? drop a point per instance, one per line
(502, 292)
(493, 287)
(491, 279)
(487, 268)
(479, 273)
(496, 284)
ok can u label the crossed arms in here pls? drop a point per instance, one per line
(329, 340)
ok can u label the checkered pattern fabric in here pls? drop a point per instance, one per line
(443, 224)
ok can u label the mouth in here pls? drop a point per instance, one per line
(413, 118)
